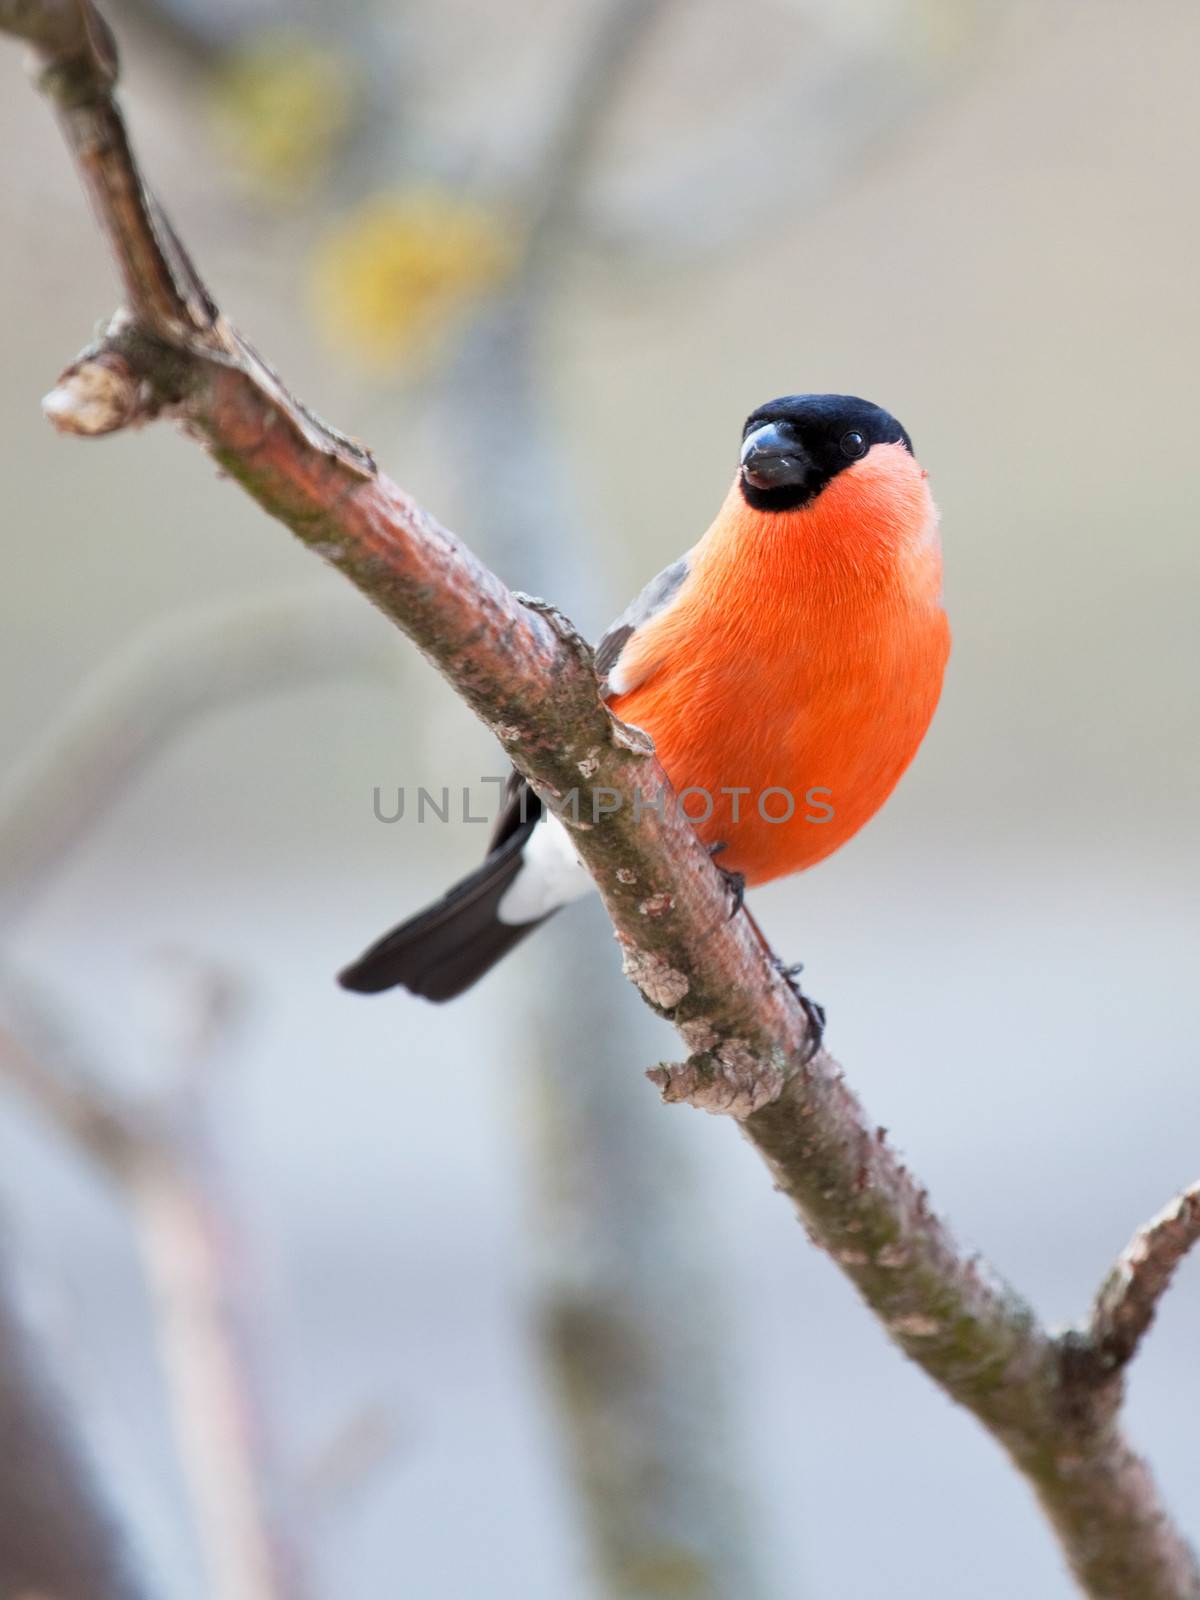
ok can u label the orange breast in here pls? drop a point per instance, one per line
(791, 683)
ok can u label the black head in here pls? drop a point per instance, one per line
(792, 447)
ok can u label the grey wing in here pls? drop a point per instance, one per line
(654, 598)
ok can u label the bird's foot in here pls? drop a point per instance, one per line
(814, 1011)
(735, 882)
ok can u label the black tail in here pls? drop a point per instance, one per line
(452, 943)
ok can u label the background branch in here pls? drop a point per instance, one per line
(528, 676)
(157, 685)
(157, 1153)
(629, 1309)
(56, 1539)
(156, 1157)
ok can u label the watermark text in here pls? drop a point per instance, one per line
(733, 803)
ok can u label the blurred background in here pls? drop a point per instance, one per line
(370, 1298)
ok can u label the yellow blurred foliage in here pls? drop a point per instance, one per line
(393, 276)
(281, 105)
(942, 28)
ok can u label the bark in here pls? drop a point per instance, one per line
(1129, 1297)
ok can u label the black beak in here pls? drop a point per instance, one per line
(773, 457)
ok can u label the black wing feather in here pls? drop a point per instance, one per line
(452, 943)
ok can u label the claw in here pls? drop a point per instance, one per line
(735, 882)
(814, 1011)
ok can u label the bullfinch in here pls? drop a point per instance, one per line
(786, 668)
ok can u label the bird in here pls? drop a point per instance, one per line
(786, 668)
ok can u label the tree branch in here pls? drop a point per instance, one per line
(1129, 1296)
(527, 674)
(517, 662)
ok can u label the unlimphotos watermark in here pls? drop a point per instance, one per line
(733, 802)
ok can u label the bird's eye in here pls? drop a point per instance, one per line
(853, 444)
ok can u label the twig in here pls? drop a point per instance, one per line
(525, 672)
(347, 1460)
(1129, 1297)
